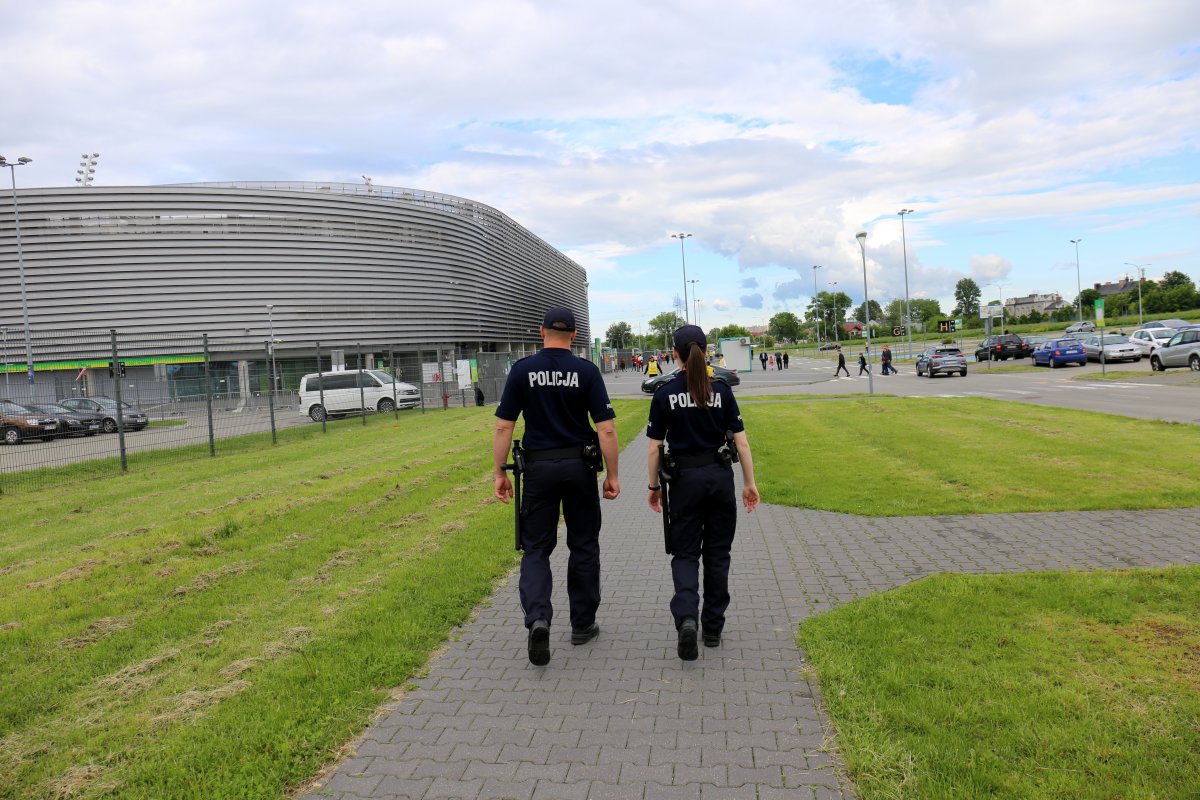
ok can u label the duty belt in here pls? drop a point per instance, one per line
(685, 460)
(559, 452)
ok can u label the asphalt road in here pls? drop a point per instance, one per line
(1174, 396)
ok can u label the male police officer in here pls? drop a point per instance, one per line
(556, 391)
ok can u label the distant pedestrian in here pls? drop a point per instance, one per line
(841, 367)
(762, 357)
(785, 360)
(622, 367)
(862, 364)
(885, 358)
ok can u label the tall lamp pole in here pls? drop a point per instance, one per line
(815, 306)
(862, 246)
(1078, 284)
(1000, 287)
(271, 349)
(695, 308)
(1141, 268)
(907, 309)
(12, 172)
(836, 338)
(683, 262)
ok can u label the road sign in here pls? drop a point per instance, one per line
(897, 330)
(1100, 311)
(947, 326)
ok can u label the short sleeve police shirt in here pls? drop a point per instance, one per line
(687, 428)
(556, 391)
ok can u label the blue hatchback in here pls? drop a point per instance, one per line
(1056, 352)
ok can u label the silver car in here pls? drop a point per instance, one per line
(1182, 351)
(1150, 339)
(941, 359)
(1116, 348)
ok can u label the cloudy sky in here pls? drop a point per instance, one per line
(770, 131)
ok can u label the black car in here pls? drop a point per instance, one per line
(71, 423)
(1001, 348)
(134, 418)
(728, 376)
(829, 346)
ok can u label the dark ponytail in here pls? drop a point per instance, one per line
(697, 375)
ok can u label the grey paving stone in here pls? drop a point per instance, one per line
(622, 717)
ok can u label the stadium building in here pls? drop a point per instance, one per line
(347, 265)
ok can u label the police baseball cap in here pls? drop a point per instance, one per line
(686, 335)
(559, 318)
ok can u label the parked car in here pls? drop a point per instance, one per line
(1183, 350)
(346, 392)
(650, 385)
(1150, 339)
(1001, 348)
(941, 359)
(1031, 342)
(1115, 347)
(18, 423)
(1058, 352)
(829, 346)
(1081, 327)
(71, 423)
(1173, 323)
(133, 418)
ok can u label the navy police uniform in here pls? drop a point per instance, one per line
(557, 391)
(703, 503)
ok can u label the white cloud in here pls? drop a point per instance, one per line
(987, 269)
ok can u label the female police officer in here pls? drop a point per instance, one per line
(692, 414)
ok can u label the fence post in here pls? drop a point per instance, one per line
(116, 371)
(270, 394)
(362, 391)
(445, 398)
(392, 361)
(212, 443)
(321, 389)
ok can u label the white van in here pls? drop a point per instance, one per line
(345, 393)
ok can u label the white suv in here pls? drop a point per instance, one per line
(346, 392)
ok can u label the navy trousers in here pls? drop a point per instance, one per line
(548, 486)
(703, 520)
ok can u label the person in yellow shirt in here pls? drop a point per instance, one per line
(652, 368)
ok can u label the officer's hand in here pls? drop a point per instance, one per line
(750, 497)
(504, 488)
(655, 501)
(612, 488)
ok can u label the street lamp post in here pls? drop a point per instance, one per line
(1078, 284)
(1141, 268)
(815, 306)
(695, 307)
(12, 172)
(907, 308)
(862, 246)
(836, 338)
(683, 263)
(1000, 287)
(271, 333)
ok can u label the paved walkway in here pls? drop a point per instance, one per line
(623, 717)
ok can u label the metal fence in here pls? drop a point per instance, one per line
(109, 401)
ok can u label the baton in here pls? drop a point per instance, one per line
(663, 477)
(517, 467)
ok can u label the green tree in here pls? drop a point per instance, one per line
(876, 313)
(784, 325)
(1175, 279)
(925, 310)
(966, 298)
(663, 325)
(619, 335)
(730, 332)
(893, 313)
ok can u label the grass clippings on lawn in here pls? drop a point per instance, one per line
(1073, 685)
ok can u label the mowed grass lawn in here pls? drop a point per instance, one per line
(931, 456)
(1055, 685)
(220, 627)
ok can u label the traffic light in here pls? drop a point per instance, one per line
(946, 326)
(119, 372)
